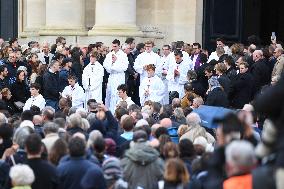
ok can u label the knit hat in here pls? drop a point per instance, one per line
(110, 146)
(213, 81)
(111, 168)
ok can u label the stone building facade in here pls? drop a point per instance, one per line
(87, 21)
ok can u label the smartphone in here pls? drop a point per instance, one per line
(273, 36)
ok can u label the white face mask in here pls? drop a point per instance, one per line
(1, 140)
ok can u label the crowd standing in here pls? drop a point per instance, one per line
(126, 116)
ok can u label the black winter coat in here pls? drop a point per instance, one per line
(51, 86)
(217, 97)
(241, 91)
(260, 73)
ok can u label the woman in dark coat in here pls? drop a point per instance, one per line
(19, 89)
(216, 95)
(242, 88)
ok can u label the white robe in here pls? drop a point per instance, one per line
(156, 89)
(38, 101)
(144, 59)
(214, 56)
(164, 66)
(116, 77)
(93, 75)
(185, 58)
(76, 93)
(177, 83)
(42, 59)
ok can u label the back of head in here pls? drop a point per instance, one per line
(20, 136)
(75, 120)
(176, 171)
(33, 144)
(21, 175)
(240, 157)
(48, 113)
(76, 147)
(193, 119)
(140, 136)
(127, 123)
(166, 122)
(50, 127)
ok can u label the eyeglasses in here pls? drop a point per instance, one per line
(166, 49)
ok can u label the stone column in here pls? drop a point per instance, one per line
(33, 12)
(115, 18)
(64, 17)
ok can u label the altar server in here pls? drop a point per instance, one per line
(92, 78)
(151, 87)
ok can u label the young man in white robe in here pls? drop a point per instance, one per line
(122, 93)
(151, 87)
(36, 98)
(146, 58)
(162, 71)
(74, 92)
(115, 63)
(177, 76)
(92, 78)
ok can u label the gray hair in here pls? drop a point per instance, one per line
(240, 155)
(178, 112)
(193, 119)
(3, 118)
(50, 127)
(20, 136)
(75, 120)
(91, 118)
(92, 137)
(85, 124)
(83, 113)
(48, 112)
(21, 175)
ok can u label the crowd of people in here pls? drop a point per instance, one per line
(127, 116)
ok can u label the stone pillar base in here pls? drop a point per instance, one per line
(62, 32)
(122, 31)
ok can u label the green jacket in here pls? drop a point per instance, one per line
(142, 166)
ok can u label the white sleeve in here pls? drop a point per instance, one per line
(138, 65)
(120, 65)
(108, 62)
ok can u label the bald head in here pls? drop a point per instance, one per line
(278, 52)
(166, 122)
(257, 55)
(37, 120)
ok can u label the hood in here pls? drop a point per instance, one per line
(142, 154)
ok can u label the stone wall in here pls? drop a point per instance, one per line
(163, 21)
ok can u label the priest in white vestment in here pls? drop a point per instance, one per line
(152, 87)
(146, 58)
(74, 92)
(92, 78)
(177, 74)
(162, 71)
(116, 63)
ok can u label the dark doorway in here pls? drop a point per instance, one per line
(235, 20)
(8, 19)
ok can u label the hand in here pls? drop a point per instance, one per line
(114, 58)
(102, 107)
(165, 72)
(176, 73)
(135, 75)
(145, 67)
(147, 92)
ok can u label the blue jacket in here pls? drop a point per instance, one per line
(72, 171)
